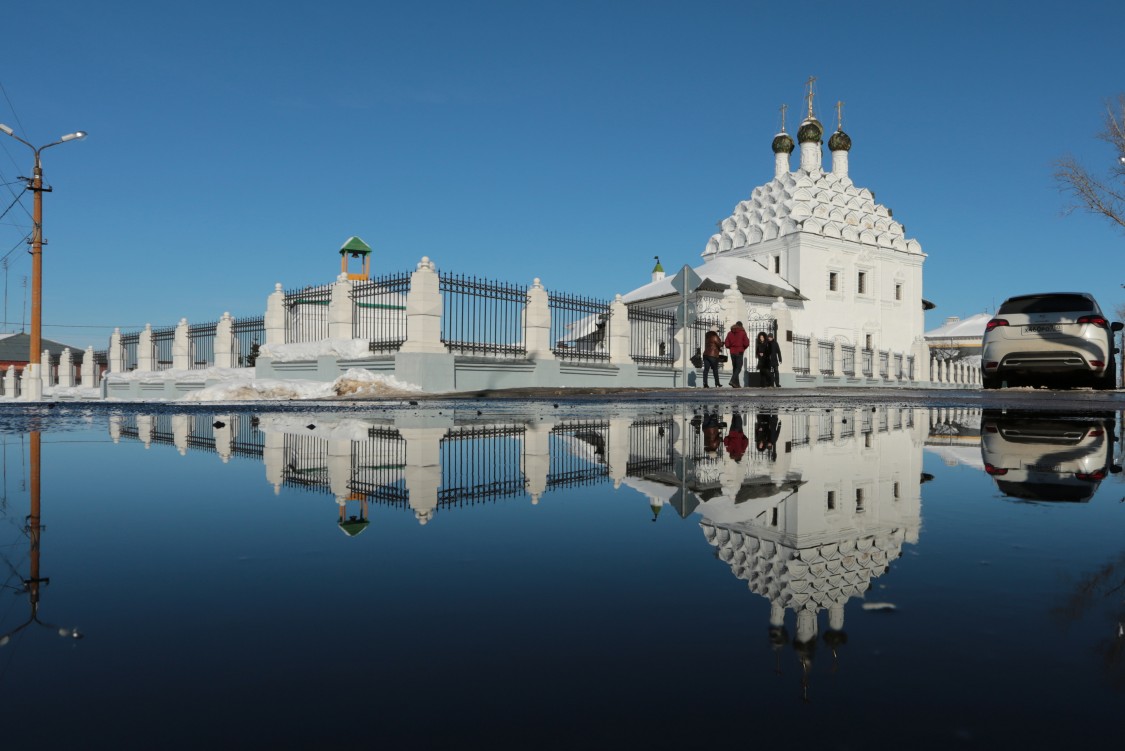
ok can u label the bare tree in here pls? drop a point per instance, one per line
(1104, 196)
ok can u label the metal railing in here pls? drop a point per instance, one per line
(898, 366)
(247, 337)
(201, 345)
(579, 327)
(800, 422)
(129, 344)
(162, 340)
(481, 463)
(482, 317)
(306, 313)
(697, 333)
(379, 311)
(651, 336)
(379, 466)
(825, 427)
(847, 359)
(826, 351)
(868, 361)
(578, 453)
(651, 447)
(801, 352)
(884, 363)
(910, 368)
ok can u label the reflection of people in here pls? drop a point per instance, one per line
(762, 352)
(775, 359)
(736, 342)
(712, 348)
(712, 432)
(736, 441)
(767, 429)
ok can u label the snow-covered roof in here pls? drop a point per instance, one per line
(961, 328)
(750, 277)
(822, 203)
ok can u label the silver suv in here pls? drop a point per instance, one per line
(1052, 339)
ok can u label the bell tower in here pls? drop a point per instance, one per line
(356, 248)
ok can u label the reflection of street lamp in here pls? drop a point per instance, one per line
(35, 185)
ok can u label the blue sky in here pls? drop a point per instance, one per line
(235, 145)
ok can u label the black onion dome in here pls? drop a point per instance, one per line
(810, 131)
(839, 141)
(782, 144)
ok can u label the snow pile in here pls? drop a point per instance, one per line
(341, 349)
(184, 376)
(354, 383)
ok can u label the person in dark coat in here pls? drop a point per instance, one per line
(762, 352)
(712, 348)
(775, 359)
(736, 441)
(736, 343)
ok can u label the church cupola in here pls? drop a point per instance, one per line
(782, 147)
(840, 143)
(356, 248)
(657, 270)
(809, 135)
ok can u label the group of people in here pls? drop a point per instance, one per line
(766, 349)
(767, 429)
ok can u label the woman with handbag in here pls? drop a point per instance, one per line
(762, 352)
(712, 350)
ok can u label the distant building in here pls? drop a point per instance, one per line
(15, 348)
(958, 338)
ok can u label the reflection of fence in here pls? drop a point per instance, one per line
(306, 462)
(650, 447)
(307, 313)
(800, 423)
(247, 440)
(481, 463)
(847, 359)
(578, 454)
(379, 311)
(824, 431)
(482, 317)
(651, 335)
(378, 466)
(801, 354)
(579, 327)
(248, 336)
(201, 345)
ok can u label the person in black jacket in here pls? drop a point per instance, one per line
(775, 359)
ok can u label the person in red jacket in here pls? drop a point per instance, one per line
(736, 343)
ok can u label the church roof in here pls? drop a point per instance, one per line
(822, 203)
(16, 347)
(719, 274)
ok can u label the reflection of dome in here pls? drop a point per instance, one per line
(839, 141)
(782, 144)
(810, 131)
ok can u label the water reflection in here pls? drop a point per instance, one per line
(1043, 457)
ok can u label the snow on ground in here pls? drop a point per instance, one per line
(356, 383)
(184, 376)
(341, 349)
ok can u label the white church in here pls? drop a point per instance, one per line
(815, 253)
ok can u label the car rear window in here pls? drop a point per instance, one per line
(1047, 304)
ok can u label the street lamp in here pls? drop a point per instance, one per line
(35, 185)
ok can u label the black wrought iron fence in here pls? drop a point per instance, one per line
(578, 454)
(307, 313)
(579, 327)
(801, 358)
(847, 359)
(482, 317)
(162, 341)
(306, 462)
(129, 344)
(826, 351)
(898, 367)
(379, 311)
(800, 423)
(652, 335)
(247, 440)
(884, 363)
(201, 345)
(868, 362)
(651, 447)
(697, 333)
(480, 464)
(247, 337)
(379, 465)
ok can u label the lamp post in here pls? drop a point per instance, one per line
(35, 185)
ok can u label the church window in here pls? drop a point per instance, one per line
(833, 281)
(831, 500)
(898, 291)
(859, 500)
(777, 264)
(867, 342)
(894, 490)
(773, 519)
(861, 283)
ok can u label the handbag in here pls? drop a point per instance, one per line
(697, 359)
(722, 359)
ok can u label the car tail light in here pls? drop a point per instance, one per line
(1097, 364)
(1095, 433)
(1098, 321)
(992, 364)
(994, 323)
(991, 429)
(994, 470)
(1097, 476)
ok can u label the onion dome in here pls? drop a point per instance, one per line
(810, 131)
(782, 144)
(839, 141)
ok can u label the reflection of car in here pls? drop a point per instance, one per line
(1049, 339)
(1040, 457)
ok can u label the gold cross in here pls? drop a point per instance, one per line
(809, 95)
(839, 115)
(784, 107)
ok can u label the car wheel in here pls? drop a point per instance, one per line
(989, 382)
(1107, 382)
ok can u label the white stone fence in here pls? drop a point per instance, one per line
(954, 372)
(64, 373)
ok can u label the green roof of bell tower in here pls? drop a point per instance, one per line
(355, 245)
